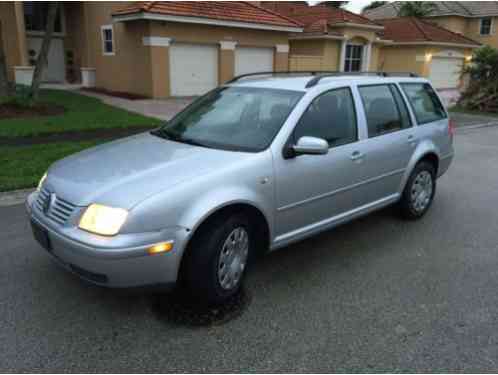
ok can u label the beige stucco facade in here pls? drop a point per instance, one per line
(469, 27)
(133, 67)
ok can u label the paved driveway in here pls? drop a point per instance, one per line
(378, 294)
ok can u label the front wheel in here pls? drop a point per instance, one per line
(217, 259)
(419, 191)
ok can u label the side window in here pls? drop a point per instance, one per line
(331, 116)
(485, 26)
(384, 109)
(424, 102)
(107, 40)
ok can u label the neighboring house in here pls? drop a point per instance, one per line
(334, 39)
(477, 20)
(155, 49)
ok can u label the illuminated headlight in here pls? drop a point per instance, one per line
(103, 220)
(42, 180)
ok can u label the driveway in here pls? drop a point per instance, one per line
(378, 294)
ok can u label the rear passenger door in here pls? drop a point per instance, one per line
(391, 140)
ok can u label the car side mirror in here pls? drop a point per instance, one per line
(310, 146)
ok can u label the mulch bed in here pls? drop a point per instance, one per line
(14, 110)
(117, 94)
(74, 136)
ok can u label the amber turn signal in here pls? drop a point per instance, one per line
(160, 248)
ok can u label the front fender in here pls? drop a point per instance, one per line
(423, 148)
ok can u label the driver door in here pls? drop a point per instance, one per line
(312, 189)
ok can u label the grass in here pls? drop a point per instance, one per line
(458, 109)
(82, 113)
(23, 166)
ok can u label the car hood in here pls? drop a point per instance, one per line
(125, 172)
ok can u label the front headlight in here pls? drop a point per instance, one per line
(42, 180)
(103, 220)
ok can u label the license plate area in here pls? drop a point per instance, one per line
(41, 236)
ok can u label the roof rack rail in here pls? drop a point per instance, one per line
(287, 72)
(315, 80)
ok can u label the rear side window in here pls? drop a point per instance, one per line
(424, 102)
(385, 110)
(330, 116)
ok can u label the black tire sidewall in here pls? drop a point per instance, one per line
(408, 210)
(202, 263)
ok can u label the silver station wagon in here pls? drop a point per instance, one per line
(252, 166)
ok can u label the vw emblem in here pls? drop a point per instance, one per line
(48, 203)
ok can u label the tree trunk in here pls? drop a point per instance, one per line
(42, 62)
(4, 83)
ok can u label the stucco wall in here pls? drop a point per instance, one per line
(472, 32)
(453, 23)
(12, 36)
(402, 59)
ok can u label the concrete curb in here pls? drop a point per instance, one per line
(11, 198)
(477, 126)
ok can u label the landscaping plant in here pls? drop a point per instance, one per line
(482, 91)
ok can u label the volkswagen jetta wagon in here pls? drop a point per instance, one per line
(252, 166)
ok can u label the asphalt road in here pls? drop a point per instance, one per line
(378, 294)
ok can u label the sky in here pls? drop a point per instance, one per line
(357, 5)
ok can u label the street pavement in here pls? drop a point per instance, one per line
(377, 294)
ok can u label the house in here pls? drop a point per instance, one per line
(476, 20)
(335, 39)
(161, 49)
(155, 49)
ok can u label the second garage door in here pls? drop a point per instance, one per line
(193, 69)
(445, 72)
(249, 60)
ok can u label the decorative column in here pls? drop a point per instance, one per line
(159, 66)
(227, 61)
(367, 53)
(342, 56)
(281, 62)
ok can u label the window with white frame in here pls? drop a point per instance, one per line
(353, 58)
(107, 40)
(485, 26)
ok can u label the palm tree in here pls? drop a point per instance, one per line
(417, 9)
(373, 5)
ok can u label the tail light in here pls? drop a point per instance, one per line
(451, 128)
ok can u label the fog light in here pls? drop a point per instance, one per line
(160, 248)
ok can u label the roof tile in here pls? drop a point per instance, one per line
(238, 11)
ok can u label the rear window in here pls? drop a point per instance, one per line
(424, 102)
(384, 109)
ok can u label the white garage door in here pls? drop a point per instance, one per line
(445, 72)
(55, 70)
(193, 69)
(250, 60)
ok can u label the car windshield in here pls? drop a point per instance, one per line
(233, 118)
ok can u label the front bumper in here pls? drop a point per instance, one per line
(121, 261)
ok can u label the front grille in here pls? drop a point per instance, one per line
(60, 210)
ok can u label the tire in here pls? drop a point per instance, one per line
(419, 191)
(207, 255)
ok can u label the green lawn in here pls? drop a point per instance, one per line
(23, 166)
(82, 113)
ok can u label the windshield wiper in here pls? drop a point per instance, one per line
(162, 133)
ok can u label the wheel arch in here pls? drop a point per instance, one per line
(426, 151)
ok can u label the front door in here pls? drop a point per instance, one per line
(312, 189)
(54, 71)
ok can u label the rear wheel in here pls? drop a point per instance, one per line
(217, 259)
(419, 191)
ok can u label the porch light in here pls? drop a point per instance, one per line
(428, 57)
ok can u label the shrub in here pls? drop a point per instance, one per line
(482, 91)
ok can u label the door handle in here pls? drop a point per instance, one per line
(357, 155)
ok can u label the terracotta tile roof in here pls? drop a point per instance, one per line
(411, 29)
(308, 15)
(236, 11)
(441, 8)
